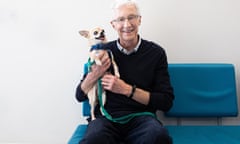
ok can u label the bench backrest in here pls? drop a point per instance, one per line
(201, 90)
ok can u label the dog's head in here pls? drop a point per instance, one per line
(94, 36)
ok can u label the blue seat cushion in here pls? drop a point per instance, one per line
(205, 134)
(78, 134)
(187, 134)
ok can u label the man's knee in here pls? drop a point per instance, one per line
(152, 131)
(163, 136)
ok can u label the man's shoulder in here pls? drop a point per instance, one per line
(152, 45)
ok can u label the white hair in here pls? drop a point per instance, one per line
(119, 3)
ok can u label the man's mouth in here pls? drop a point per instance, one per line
(128, 30)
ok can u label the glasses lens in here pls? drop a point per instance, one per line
(130, 18)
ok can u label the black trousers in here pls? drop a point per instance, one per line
(140, 130)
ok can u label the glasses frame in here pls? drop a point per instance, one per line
(130, 18)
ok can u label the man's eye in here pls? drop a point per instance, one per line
(121, 19)
(131, 17)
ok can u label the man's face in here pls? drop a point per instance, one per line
(126, 23)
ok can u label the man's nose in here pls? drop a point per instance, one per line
(126, 23)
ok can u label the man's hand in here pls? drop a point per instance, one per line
(99, 70)
(96, 72)
(114, 84)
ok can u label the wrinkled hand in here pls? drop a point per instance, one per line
(113, 84)
(99, 70)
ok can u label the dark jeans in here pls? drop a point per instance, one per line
(140, 130)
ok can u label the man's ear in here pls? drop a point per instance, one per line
(112, 23)
(84, 33)
(140, 20)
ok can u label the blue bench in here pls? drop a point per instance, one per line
(201, 91)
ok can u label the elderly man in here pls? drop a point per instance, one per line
(143, 87)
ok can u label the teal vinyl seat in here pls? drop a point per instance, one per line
(202, 90)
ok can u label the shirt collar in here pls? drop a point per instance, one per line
(123, 50)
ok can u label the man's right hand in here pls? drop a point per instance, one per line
(97, 71)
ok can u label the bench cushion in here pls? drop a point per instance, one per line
(187, 134)
(78, 134)
(205, 134)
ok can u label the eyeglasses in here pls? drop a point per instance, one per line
(130, 18)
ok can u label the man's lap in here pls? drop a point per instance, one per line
(141, 129)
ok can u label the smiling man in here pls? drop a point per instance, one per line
(143, 87)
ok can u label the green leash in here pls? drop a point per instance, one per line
(123, 119)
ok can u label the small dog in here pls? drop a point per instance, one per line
(96, 37)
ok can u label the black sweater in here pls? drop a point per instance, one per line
(147, 69)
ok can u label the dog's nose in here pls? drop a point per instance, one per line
(103, 33)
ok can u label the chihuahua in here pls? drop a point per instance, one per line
(96, 37)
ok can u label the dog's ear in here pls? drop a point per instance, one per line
(84, 33)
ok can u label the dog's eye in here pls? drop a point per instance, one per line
(95, 32)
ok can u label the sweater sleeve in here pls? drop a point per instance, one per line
(80, 95)
(161, 96)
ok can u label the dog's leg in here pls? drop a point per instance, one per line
(92, 101)
(115, 67)
(103, 100)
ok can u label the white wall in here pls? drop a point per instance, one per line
(42, 55)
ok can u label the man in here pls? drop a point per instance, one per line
(143, 87)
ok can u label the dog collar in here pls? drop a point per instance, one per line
(97, 47)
